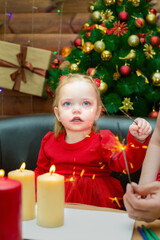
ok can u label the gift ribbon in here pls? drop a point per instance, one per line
(19, 74)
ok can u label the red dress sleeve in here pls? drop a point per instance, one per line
(112, 152)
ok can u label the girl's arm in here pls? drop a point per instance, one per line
(151, 164)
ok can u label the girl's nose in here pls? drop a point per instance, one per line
(76, 109)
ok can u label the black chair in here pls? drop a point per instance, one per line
(20, 139)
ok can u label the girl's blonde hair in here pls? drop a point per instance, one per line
(58, 127)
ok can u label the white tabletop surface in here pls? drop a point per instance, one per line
(84, 224)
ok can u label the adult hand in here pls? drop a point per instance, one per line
(142, 202)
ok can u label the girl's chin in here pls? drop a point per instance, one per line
(79, 129)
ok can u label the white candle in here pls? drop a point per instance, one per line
(27, 179)
(50, 200)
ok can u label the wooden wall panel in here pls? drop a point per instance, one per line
(41, 26)
(44, 41)
(42, 105)
(16, 103)
(25, 6)
(44, 23)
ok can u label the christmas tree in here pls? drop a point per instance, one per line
(120, 46)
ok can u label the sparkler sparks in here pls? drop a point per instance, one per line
(115, 199)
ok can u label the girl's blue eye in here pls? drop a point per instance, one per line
(86, 103)
(67, 104)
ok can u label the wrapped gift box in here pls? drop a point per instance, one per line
(23, 68)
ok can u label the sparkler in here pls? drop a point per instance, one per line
(124, 154)
(128, 116)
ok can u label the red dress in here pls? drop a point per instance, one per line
(87, 165)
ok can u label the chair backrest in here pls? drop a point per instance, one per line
(20, 139)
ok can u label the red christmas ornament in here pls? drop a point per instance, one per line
(56, 63)
(125, 71)
(155, 41)
(97, 81)
(91, 71)
(148, 0)
(139, 22)
(153, 114)
(48, 91)
(142, 40)
(88, 34)
(123, 16)
(152, 10)
(61, 78)
(78, 42)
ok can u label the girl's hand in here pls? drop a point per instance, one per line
(141, 130)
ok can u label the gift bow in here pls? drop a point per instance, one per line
(19, 74)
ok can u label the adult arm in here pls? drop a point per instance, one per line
(151, 164)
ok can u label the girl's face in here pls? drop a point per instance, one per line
(77, 108)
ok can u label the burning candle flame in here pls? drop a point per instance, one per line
(52, 169)
(23, 166)
(2, 173)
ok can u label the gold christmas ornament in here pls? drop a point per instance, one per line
(101, 28)
(156, 78)
(87, 47)
(131, 55)
(107, 16)
(106, 55)
(74, 68)
(103, 87)
(127, 104)
(109, 2)
(133, 40)
(91, 8)
(65, 52)
(116, 75)
(96, 15)
(135, 3)
(64, 64)
(99, 46)
(148, 51)
(119, 2)
(139, 73)
(151, 18)
(139, 22)
(85, 25)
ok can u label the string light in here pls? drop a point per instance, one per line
(9, 15)
(60, 28)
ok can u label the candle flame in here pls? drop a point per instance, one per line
(23, 166)
(2, 173)
(52, 169)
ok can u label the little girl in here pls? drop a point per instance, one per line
(86, 158)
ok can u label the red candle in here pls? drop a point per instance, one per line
(10, 209)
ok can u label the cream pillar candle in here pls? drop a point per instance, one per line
(27, 179)
(50, 199)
